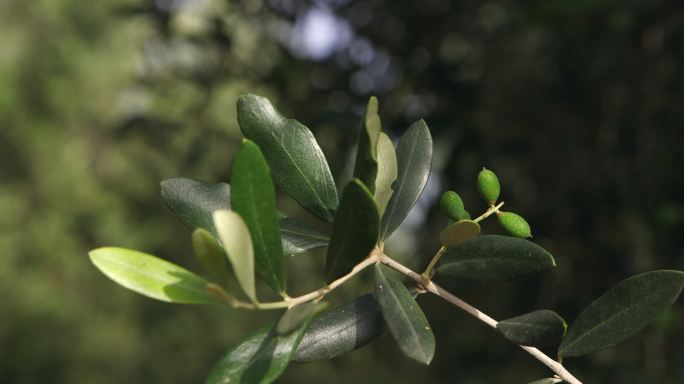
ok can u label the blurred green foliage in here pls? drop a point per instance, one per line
(576, 105)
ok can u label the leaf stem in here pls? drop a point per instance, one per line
(433, 288)
(429, 271)
(492, 210)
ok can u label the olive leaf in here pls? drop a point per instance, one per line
(414, 161)
(151, 276)
(296, 161)
(622, 311)
(254, 199)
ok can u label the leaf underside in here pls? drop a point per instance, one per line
(387, 172)
(237, 242)
(366, 165)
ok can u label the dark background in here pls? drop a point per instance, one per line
(577, 105)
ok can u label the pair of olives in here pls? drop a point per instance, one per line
(489, 188)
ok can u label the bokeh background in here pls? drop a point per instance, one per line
(577, 105)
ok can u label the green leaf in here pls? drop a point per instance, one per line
(404, 318)
(299, 237)
(459, 232)
(297, 162)
(387, 172)
(237, 242)
(254, 199)
(414, 160)
(366, 166)
(541, 328)
(341, 330)
(355, 231)
(494, 258)
(194, 201)
(622, 311)
(151, 276)
(257, 359)
(296, 316)
(210, 255)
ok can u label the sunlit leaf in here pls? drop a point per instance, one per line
(493, 258)
(387, 172)
(414, 160)
(296, 161)
(237, 242)
(254, 199)
(257, 359)
(355, 231)
(151, 276)
(541, 328)
(341, 330)
(366, 166)
(404, 318)
(622, 311)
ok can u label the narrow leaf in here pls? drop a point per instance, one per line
(194, 201)
(341, 330)
(366, 166)
(404, 318)
(494, 258)
(414, 160)
(297, 162)
(210, 255)
(254, 199)
(257, 359)
(622, 311)
(151, 276)
(295, 316)
(459, 232)
(387, 172)
(299, 237)
(237, 242)
(355, 231)
(541, 328)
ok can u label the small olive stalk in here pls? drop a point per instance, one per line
(488, 186)
(514, 224)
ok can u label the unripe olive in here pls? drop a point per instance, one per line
(452, 205)
(488, 185)
(514, 224)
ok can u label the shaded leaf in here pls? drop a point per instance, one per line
(295, 317)
(210, 255)
(237, 242)
(194, 201)
(403, 316)
(254, 199)
(494, 258)
(387, 172)
(622, 311)
(341, 330)
(459, 232)
(298, 237)
(151, 276)
(355, 231)
(292, 153)
(414, 160)
(257, 359)
(541, 328)
(366, 165)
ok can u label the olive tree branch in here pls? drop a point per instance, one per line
(433, 288)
